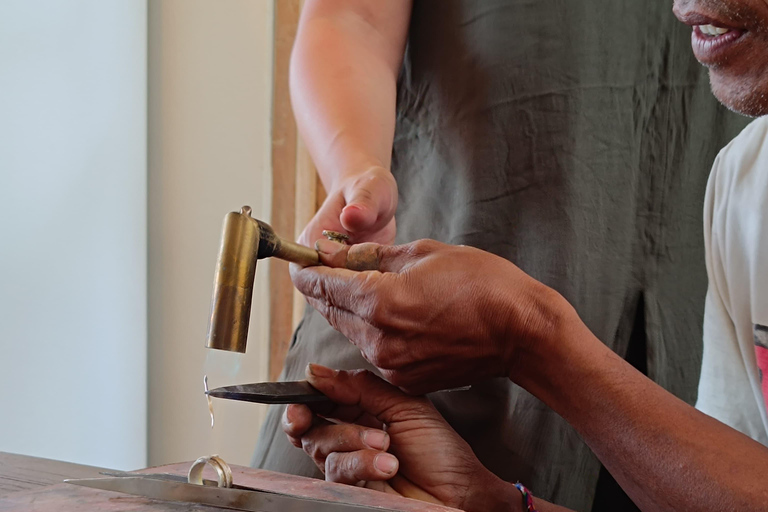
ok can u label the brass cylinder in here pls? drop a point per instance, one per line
(233, 283)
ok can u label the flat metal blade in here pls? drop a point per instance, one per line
(233, 499)
(173, 478)
(297, 392)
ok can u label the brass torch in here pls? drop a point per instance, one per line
(244, 241)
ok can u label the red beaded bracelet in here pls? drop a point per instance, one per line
(527, 498)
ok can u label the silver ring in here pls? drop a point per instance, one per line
(335, 236)
(223, 471)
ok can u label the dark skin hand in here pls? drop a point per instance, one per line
(395, 443)
(437, 316)
(425, 338)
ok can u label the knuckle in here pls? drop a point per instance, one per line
(350, 465)
(363, 194)
(316, 289)
(332, 316)
(422, 247)
(311, 448)
(359, 375)
(335, 467)
(363, 378)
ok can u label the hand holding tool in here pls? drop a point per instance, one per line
(244, 241)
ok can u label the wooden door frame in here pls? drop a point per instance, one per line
(296, 188)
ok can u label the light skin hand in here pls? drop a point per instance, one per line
(427, 459)
(343, 81)
(432, 316)
(362, 207)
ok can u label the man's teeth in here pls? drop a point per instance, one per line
(711, 30)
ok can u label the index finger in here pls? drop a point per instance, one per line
(336, 287)
(361, 389)
(368, 255)
(359, 257)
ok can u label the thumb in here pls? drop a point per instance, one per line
(356, 257)
(372, 256)
(364, 390)
(371, 202)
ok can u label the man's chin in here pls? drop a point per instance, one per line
(740, 94)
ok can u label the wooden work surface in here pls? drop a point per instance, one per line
(30, 484)
(24, 473)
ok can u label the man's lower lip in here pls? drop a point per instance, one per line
(711, 50)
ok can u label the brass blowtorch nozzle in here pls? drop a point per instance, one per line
(244, 240)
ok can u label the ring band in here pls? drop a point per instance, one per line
(223, 471)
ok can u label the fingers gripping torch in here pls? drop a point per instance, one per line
(244, 241)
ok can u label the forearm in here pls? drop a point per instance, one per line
(664, 453)
(344, 71)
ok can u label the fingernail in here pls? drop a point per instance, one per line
(353, 206)
(328, 247)
(385, 463)
(376, 439)
(317, 370)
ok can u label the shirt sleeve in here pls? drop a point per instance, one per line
(725, 391)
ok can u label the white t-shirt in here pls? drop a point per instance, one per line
(734, 374)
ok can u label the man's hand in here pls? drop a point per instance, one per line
(433, 316)
(362, 207)
(427, 459)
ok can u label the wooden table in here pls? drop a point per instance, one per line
(30, 483)
(23, 473)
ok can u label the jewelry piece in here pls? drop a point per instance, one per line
(335, 236)
(223, 471)
(527, 498)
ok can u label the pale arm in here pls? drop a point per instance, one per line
(343, 80)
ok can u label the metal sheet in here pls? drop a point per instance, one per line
(233, 499)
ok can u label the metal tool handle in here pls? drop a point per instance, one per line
(362, 257)
(296, 253)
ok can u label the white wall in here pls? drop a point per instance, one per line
(73, 230)
(210, 65)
